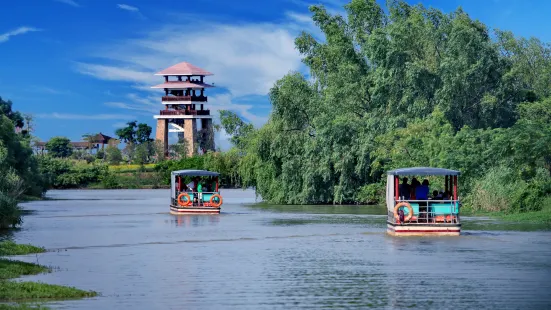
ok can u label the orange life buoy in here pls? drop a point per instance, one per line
(403, 204)
(214, 204)
(185, 203)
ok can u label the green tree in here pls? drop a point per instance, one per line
(89, 139)
(135, 133)
(18, 167)
(234, 126)
(143, 153)
(143, 133)
(14, 116)
(531, 136)
(59, 147)
(410, 87)
(128, 133)
(129, 151)
(177, 150)
(113, 155)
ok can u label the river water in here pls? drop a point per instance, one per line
(125, 245)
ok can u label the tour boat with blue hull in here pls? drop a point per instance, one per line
(409, 215)
(200, 196)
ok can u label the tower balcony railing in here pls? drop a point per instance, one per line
(184, 98)
(185, 112)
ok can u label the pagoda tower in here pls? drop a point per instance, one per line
(184, 109)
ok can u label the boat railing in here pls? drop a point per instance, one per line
(205, 196)
(431, 211)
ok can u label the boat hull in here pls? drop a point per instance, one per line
(193, 210)
(423, 229)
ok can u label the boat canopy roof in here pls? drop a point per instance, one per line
(198, 173)
(423, 171)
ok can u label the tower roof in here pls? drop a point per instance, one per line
(183, 68)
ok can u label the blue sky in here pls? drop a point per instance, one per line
(85, 66)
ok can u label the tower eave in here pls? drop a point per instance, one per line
(183, 74)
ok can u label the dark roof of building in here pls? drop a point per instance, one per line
(101, 138)
(423, 171)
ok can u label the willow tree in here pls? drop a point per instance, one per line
(374, 75)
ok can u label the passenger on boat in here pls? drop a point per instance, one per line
(437, 195)
(404, 189)
(422, 193)
(414, 184)
(200, 191)
(191, 185)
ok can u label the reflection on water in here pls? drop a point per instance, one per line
(127, 246)
(194, 220)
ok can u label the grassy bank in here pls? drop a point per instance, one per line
(11, 291)
(534, 217)
(130, 180)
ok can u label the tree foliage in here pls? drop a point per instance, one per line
(411, 87)
(18, 167)
(59, 147)
(235, 127)
(15, 116)
(135, 133)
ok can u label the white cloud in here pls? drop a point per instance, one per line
(225, 102)
(150, 104)
(115, 73)
(119, 125)
(300, 18)
(21, 30)
(56, 115)
(246, 59)
(69, 2)
(127, 7)
(304, 22)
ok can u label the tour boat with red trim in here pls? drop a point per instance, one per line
(195, 192)
(411, 209)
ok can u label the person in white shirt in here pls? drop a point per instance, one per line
(191, 185)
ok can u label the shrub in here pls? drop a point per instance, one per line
(371, 194)
(164, 168)
(110, 181)
(66, 173)
(503, 190)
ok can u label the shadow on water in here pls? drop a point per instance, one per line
(485, 224)
(371, 221)
(322, 209)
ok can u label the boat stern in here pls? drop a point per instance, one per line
(394, 229)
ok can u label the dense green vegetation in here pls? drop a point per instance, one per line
(414, 87)
(18, 166)
(12, 248)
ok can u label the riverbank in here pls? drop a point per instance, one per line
(29, 292)
(534, 217)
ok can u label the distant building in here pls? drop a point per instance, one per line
(93, 144)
